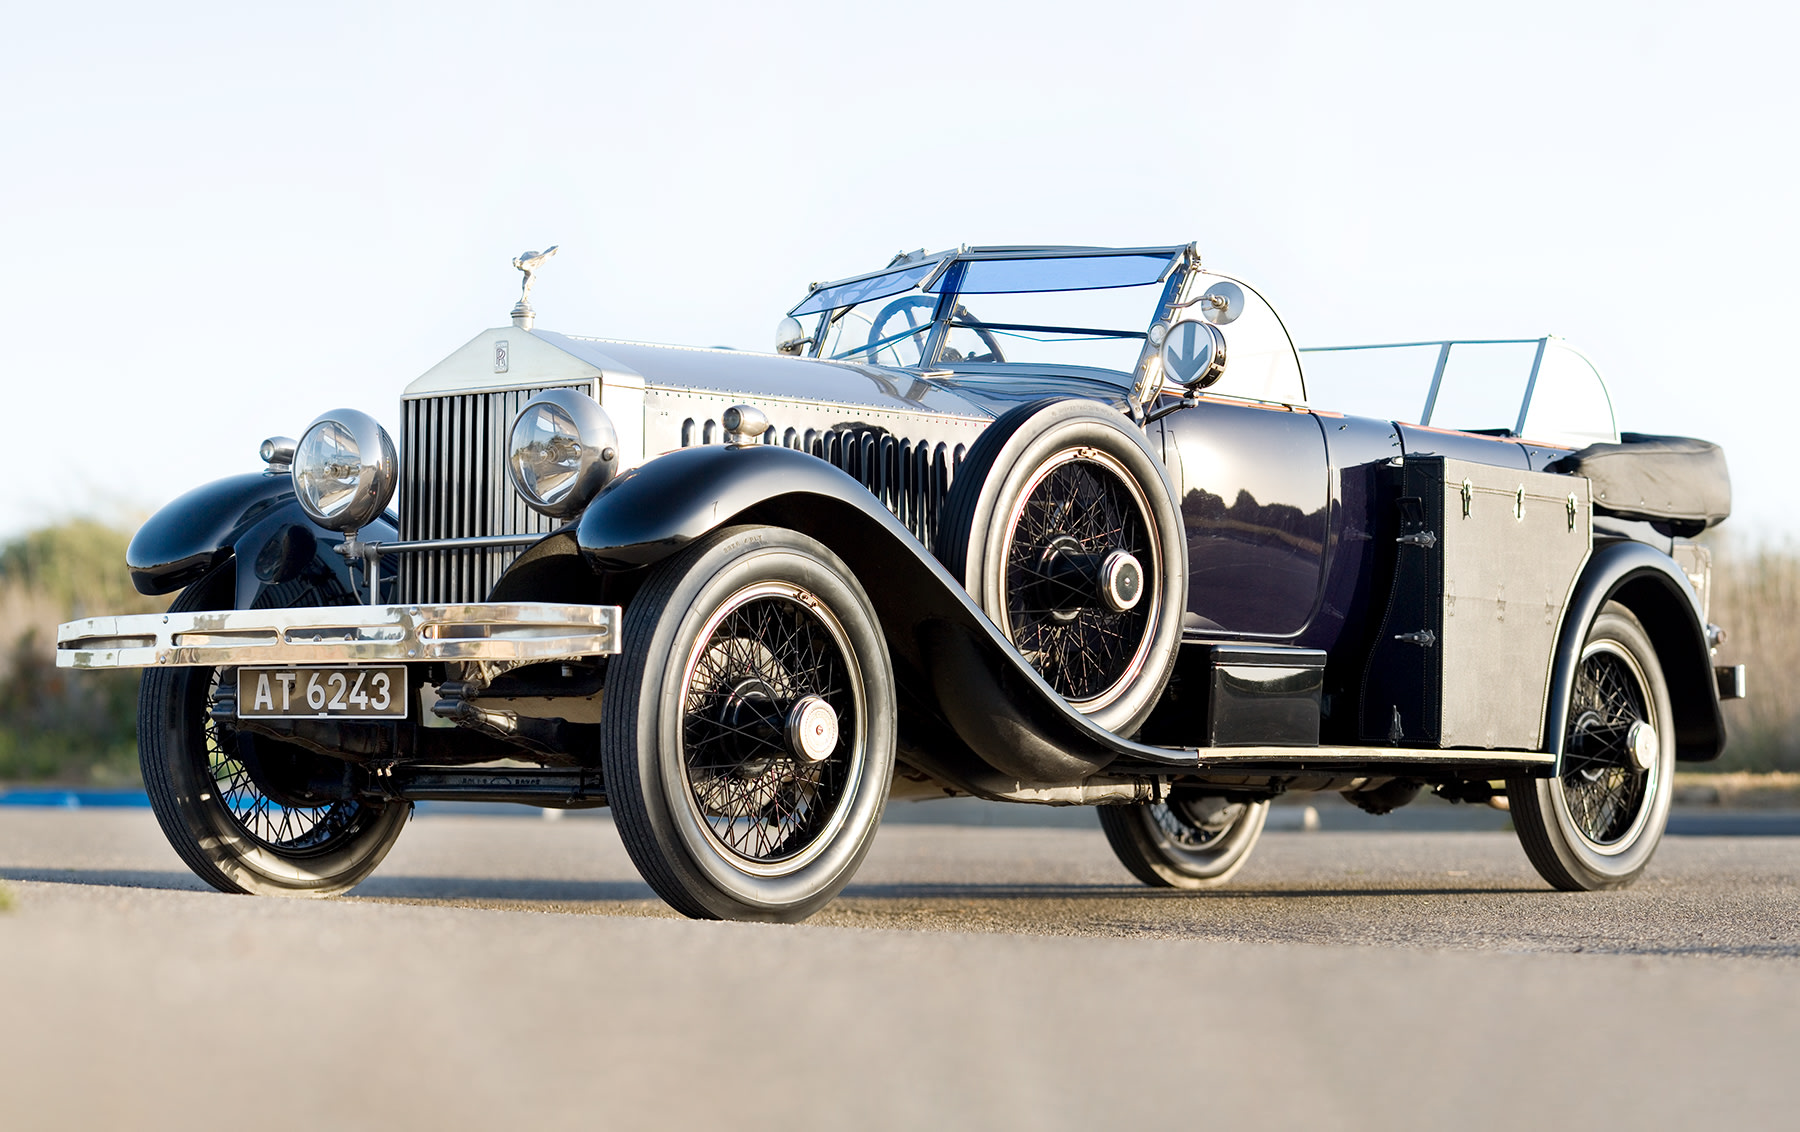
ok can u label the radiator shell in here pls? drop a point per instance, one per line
(453, 485)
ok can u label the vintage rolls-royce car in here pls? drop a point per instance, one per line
(1043, 525)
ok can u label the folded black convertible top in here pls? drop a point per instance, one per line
(1678, 483)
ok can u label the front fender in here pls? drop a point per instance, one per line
(197, 531)
(282, 558)
(986, 706)
(659, 507)
(1650, 584)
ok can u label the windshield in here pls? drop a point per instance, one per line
(1091, 311)
(1101, 329)
(890, 331)
(1536, 388)
(860, 290)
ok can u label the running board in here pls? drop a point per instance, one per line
(1289, 760)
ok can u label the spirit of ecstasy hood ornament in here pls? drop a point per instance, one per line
(528, 262)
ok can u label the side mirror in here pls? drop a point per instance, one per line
(791, 337)
(1193, 353)
(1222, 303)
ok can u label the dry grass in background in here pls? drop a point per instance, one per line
(1739, 789)
(56, 724)
(1756, 597)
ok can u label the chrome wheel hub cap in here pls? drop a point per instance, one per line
(1642, 742)
(812, 729)
(1121, 581)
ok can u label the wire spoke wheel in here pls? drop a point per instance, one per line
(246, 813)
(1079, 508)
(1195, 833)
(767, 649)
(1063, 527)
(1598, 820)
(296, 830)
(747, 733)
(1602, 785)
(1190, 841)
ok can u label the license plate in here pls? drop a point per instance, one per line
(316, 693)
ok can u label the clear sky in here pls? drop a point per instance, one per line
(217, 221)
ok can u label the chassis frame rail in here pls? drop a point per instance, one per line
(348, 634)
(557, 788)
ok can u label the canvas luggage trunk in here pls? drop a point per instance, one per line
(1484, 564)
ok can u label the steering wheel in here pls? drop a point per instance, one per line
(951, 354)
(904, 306)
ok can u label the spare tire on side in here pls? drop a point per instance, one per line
(1063, 527)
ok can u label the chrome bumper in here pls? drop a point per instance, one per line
(350, 634)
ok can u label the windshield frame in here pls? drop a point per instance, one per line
(944, 284)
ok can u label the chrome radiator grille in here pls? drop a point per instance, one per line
(910, 477)
(453, 485)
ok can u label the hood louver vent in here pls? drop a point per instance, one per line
(910, 477)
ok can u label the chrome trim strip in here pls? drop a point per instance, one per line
(1061, 251)
(586, 385)
(455, 543)
(1408, 345)
(348, 634)
(1219, 757)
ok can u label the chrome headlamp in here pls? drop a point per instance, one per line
(345, 470)
(562, 450)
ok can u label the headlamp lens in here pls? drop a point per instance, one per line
(344, 470)
(546, 448)
(561, 451)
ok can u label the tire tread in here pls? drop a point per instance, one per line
(1125, 829)
(1531, 824)
(153, 698)
(956, 525)
(620, 727)
(1535, 822)
(1116, 823)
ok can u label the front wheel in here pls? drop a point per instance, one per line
(747, 734)
(241, 810)
(1190, 841)
(1596, 823)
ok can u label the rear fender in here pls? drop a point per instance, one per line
(1650, 584)
(253, 525)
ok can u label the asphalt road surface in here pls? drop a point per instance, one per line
(515, 972)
